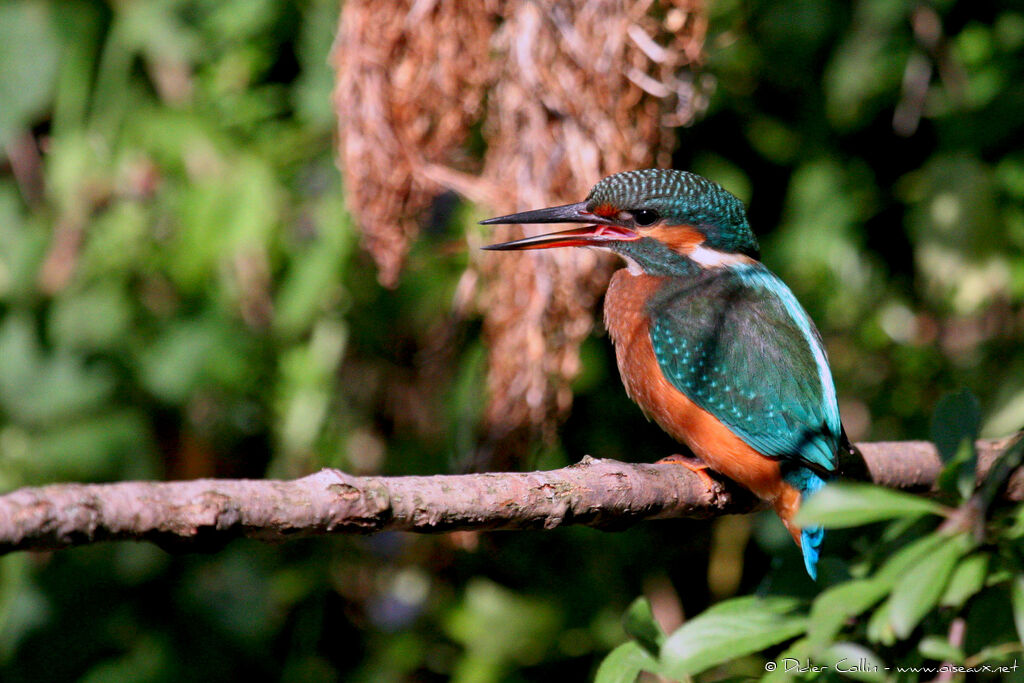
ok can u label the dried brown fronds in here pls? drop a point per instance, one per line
(575, 91)
(411, 81)
(583, 91)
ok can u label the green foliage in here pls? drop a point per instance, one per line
(886, 613)
(181, 295)
(640, 625)
(527, 627)
(730, 630)
(28, 51)
(849, 504)
(172, 214)
(626, 662)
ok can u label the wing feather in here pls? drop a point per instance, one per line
(756, 363)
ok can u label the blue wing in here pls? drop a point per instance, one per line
(739, 345)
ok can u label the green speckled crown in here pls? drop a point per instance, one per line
(682, 198)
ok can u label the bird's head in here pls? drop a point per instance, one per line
(658, 219)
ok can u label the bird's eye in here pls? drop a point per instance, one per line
(645, 217)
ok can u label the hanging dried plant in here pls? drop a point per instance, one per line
(588, 86)
(575, 91)
(411, 78)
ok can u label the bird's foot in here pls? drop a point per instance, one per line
(695, 465)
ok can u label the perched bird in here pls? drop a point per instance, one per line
(711, 344)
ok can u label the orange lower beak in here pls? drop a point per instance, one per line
(601, 231)
(588, 236)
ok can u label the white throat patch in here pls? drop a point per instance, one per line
(632, 266)
(711, 258)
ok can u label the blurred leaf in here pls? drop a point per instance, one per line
(98, 447)
(1017, 598)
(1007, 418)
(305, 387)
(1016, 530)
(23, 605)
(960, 473)
(847, 504)
(940, 650)
(156, 30)
(317, 76)
(854, 661)
(233, 213)
(29, 53)
(955, 425)
(240, 20)
(866, 65)
(174, 364)
(919, 590)
(959, 256)
(77, 172)
(22, 246)
(112, 88)
(79, 25)
(990, 621)
(145, 662)
(230, 593)
(640, 625)
(773, 140)
(313, 284)
(119, 241)
(465, 401)
(497, 625)
(95, 319)
(819, 244)
(799, 650)
(832, 608)
(191, 352)
(730, 630)
(908, 557)
(42, 389)
(625, 663)
(968, 578)
(957, 417)
(879, 626)
(999, 473)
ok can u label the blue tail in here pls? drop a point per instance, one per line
(811, 537)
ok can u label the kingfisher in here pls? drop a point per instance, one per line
(712, 345)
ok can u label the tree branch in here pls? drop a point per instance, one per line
(600, 493)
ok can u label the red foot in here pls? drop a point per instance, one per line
(695, 465)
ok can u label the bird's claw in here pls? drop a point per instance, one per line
(697, 466)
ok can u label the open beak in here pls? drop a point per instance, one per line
(600, 231)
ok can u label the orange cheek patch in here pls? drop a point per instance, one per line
(605, 210)
(680, 238)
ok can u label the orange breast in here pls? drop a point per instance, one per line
(709, 439)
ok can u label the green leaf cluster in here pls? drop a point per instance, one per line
(182, 295)
(943, 588)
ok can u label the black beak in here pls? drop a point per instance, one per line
(600, 230)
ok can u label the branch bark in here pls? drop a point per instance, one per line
(605, 494)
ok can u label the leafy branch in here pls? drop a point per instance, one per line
(940, 591)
